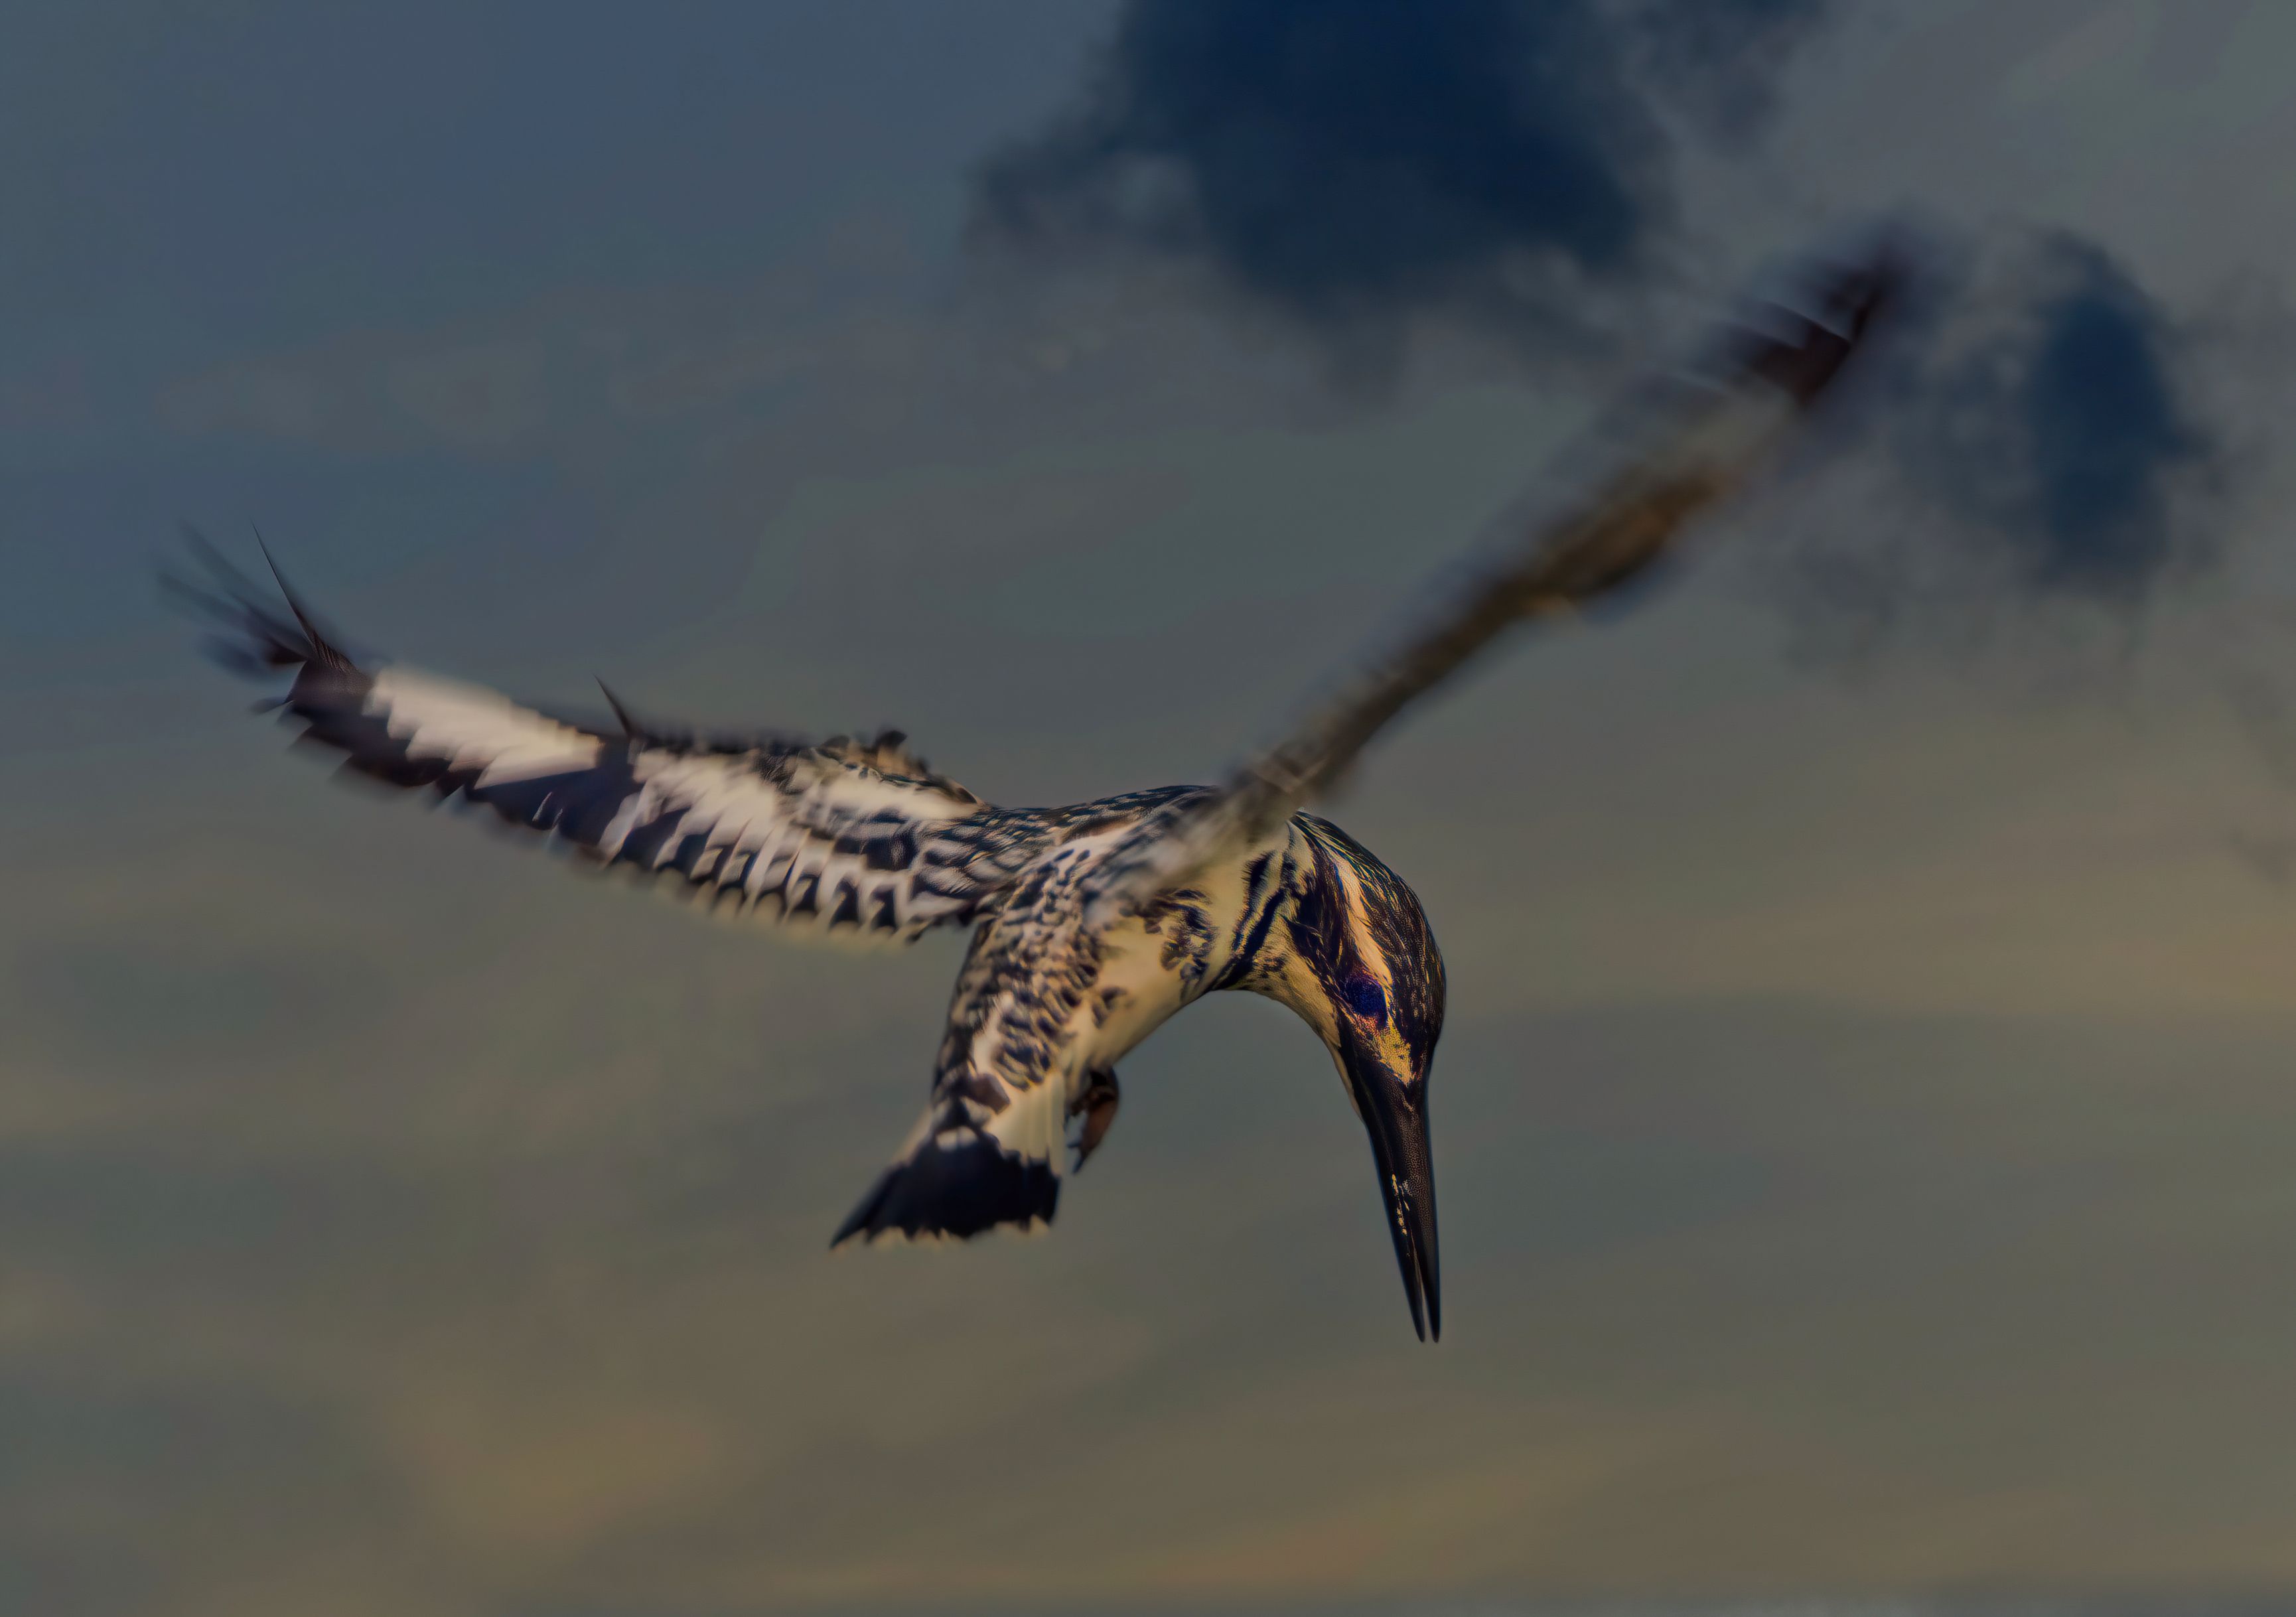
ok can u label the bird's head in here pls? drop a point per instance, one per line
(1366, 975)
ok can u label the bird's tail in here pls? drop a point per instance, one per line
(953, 1185)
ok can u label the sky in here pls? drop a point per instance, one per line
(1868, 1156)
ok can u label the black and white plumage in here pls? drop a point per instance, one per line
(1092, 923)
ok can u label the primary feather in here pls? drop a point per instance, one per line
(836, 835)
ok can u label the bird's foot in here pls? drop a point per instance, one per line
(1097, 1105)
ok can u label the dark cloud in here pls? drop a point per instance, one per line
(1346, 163)
(2036, 440)
(1718, 60)
(1354, 168)
(2061, 426)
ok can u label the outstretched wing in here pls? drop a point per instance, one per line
(1693, 449)
(840, 836)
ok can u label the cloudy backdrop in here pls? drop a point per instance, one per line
(1866, 1124)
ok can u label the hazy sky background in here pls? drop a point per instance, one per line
(1866, 1135)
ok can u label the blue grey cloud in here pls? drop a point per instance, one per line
(1718, 60)
(1348, 163)
(2059, 431)
(2038, 442)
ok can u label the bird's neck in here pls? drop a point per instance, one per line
(1296, 963)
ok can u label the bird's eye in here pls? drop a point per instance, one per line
(1366, 999)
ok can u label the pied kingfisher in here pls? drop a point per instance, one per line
(1092, 923)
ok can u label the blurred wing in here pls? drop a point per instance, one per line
(837, 837)
(1701, 447)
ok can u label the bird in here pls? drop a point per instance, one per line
(1091, 925)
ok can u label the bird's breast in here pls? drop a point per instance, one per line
(1136, 990)
(1185, 944)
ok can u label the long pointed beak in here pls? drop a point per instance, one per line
(1395, 1115)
